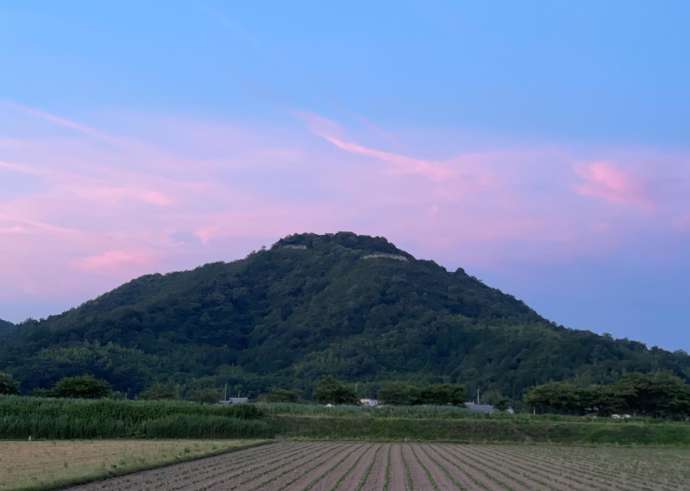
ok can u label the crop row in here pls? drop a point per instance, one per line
(317, 466)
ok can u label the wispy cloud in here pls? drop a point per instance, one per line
(116, 260)
(608, 181)
(173, 192)
(398, 163)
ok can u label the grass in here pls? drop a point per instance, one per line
(472, 430)
(50, 464)
(64, 419)
(427, 412)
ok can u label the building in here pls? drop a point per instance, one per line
(235, 400)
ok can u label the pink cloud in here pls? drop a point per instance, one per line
(610, 182)
(180, 192)
(399, 164)
(116, 260)
(104, 194)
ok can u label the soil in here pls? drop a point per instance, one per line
(320, 466)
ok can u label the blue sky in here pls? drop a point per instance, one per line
(541, 145)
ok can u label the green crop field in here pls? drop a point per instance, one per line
(43, 418)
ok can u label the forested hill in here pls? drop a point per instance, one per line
(352, 306)
(5, 327)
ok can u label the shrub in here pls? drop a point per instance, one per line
(330, 391)
(8, 385)
(81, 387)
(280, 395)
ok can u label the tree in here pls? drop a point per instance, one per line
(280, 395)
(658, 394)
(443, 394)
(399, 394)
(8, 385)
(161, 391)
(330, 391)
(82, 386)
(207, 395)
(557, 397)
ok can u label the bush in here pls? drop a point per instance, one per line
(81, 387)
(401, 394)
(8, 385)
(205, 395)
(49, 418)
(330, 391)
(160, 391)
(280, 395)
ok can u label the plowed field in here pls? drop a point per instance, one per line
(419, 466)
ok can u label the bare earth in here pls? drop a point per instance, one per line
(418, 466)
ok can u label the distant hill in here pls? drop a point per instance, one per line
(356, 307)
(6, 327)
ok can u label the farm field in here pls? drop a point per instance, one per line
(43, 465)
(419, 466)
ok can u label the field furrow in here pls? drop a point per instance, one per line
(313, 471)
(529, 478)
(331, 466)
(441, 476)
(397, 475)
(265, 475)
(568, 472)
(375, 475)
(587, 476)
(419, 476)
(357, 474)
(340, 470)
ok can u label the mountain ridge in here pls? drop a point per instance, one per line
(352, 306)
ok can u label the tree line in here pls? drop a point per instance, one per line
(658, 395)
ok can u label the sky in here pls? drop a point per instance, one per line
(543, 146)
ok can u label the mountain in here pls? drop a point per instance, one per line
(353, 306)
(6, 327)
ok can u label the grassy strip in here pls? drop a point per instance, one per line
(61, 419)
(430, 412)
(111, 473)
(480, 431)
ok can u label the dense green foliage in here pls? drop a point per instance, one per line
(352, 307)
(331, 391)
(468, 430)
(81, 387)
(6, 328)
(659, 395)
(160, 391)
(8, 385)
(410, 395)
(21, 417)
(280, 395)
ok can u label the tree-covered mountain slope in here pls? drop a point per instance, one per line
(5, 327)
(352, 306)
